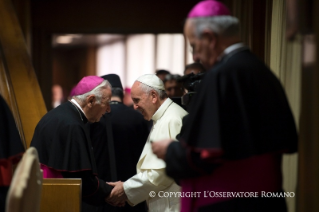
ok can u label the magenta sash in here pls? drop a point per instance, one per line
(255, 174)
(49, 172)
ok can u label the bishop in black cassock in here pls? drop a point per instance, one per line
(239, 125)
(63, 141)
(129, 132)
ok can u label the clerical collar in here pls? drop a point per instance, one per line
(161, 110)
(232, 49)
(77, 104)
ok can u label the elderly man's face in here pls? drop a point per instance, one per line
(203, 48)
(98, 110)
(142, 101)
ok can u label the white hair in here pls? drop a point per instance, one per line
(147, 89)
(97, 92)
(225, 25)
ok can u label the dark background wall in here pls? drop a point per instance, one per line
(98, 16)
(69, 65)
(49, 17)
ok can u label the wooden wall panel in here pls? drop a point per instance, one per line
(19, 71)
(23, 10)
(136, 16)
(254, 19)
(6, 91)
(71, 64)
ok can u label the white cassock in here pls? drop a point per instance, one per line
(167, 123)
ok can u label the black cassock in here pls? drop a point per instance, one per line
(11, 149)
(63, 143)
(130, 132)
(240, 113)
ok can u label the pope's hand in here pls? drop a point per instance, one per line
(117, 196)
(160, 147)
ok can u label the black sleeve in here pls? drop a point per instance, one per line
(179, 136)
(141, 137)
(94, 190)
(182, 163)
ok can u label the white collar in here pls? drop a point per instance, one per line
(161, 110)
(233, 47)
(230, 49)
(77, 104)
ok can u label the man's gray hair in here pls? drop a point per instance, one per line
(226, 26)
(97, 92)
(147, 89)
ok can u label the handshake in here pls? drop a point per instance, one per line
(117, 196)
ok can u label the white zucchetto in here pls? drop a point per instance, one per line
(151, 80)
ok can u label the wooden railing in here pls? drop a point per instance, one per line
(60, 195)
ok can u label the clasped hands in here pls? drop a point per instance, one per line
(117, 196)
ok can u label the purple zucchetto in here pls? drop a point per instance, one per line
(208, 8)
(86, 85)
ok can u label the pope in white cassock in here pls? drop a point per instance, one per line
(149, 97)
